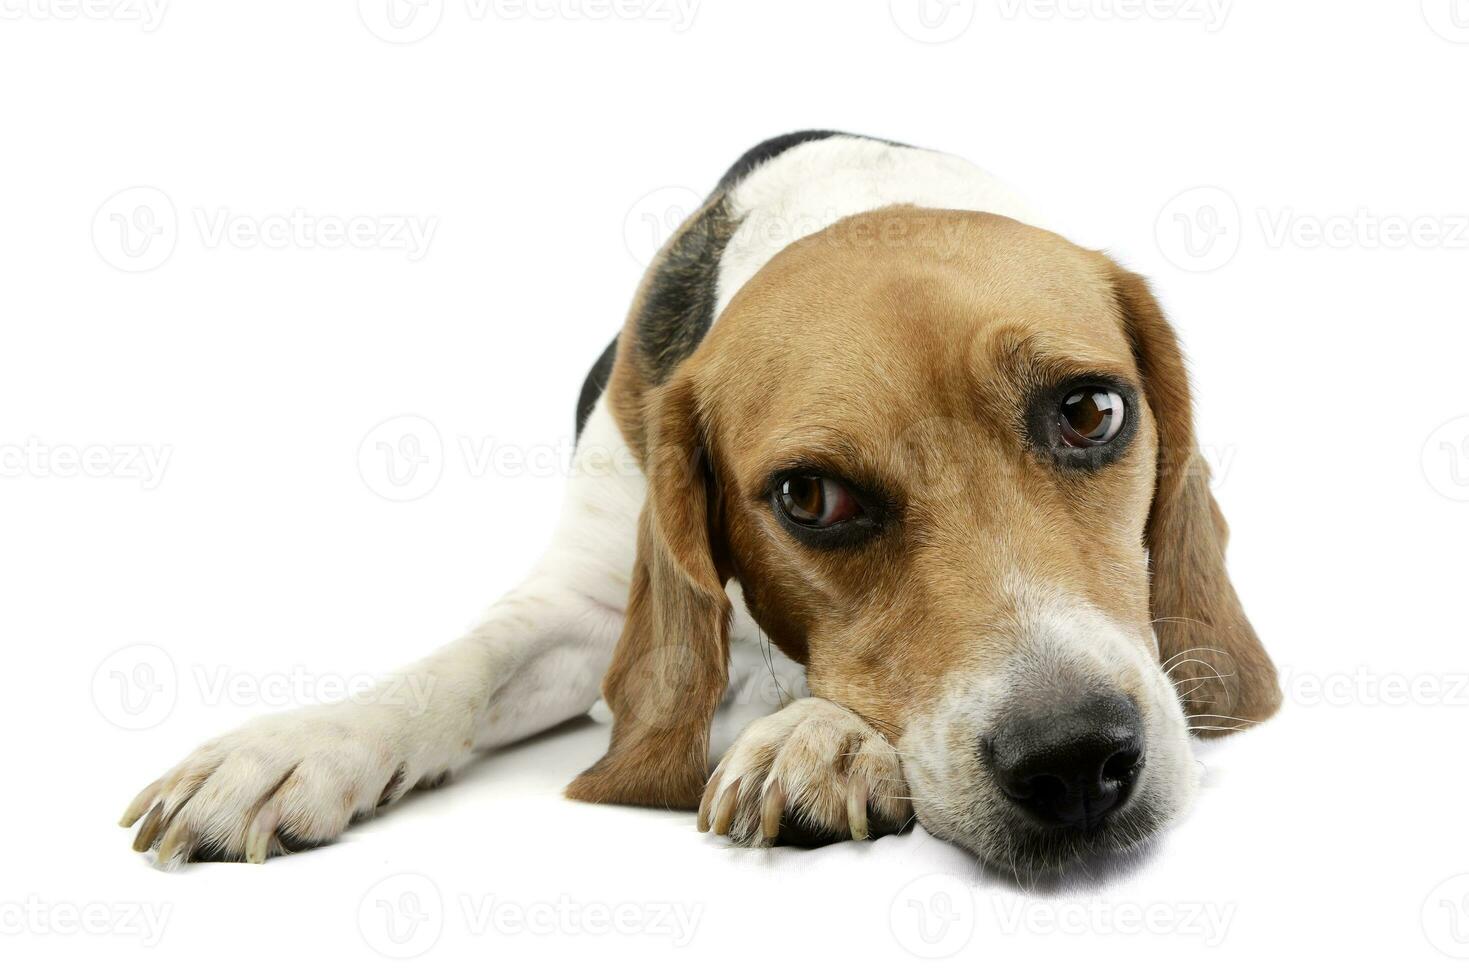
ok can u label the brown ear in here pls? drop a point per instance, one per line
(1221, 671)
(671, 664)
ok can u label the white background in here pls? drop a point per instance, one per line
(547, 148)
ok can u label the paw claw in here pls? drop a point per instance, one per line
(706, 804)
(857, 806)
(770, 813)
(148, 833)
(176, 846)
(141, 804)
(724, 812)
(261, 832)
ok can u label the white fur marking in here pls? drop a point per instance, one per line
(812, 186)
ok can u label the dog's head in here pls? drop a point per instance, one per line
(950, 460)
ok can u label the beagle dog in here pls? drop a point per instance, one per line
(884, 465)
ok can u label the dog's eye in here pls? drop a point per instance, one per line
(1090, 416)
(817, 501)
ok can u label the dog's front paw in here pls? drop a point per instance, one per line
(281, 783)
(810, 773)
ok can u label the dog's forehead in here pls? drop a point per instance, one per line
(892, 316)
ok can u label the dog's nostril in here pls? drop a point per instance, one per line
(1071, 766)
(1123, 764)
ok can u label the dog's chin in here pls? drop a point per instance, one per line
(1035, 850)
(1014, 845)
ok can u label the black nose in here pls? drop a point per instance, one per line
(1069, 766)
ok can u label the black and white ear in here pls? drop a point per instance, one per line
(1216, 660)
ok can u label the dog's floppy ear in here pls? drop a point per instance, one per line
(1216, 661)
(671, 665)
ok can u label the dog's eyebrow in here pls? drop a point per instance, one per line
(1037, 356)
(816, 449)
(1064, 368)
(829, 457)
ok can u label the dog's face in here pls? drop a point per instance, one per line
(938, 450)
(934, 473)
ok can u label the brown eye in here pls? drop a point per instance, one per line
(1090, 416)
(816, 501)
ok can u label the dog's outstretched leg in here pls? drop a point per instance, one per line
(297, 778)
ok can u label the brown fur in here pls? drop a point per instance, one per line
(899, 348)
(1196, 611)
(670, 665)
